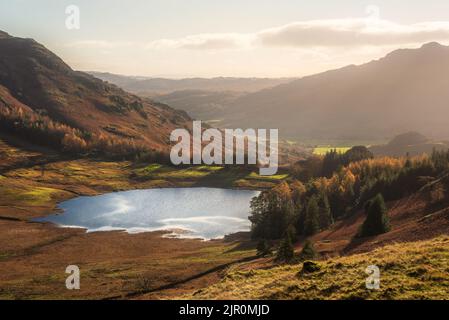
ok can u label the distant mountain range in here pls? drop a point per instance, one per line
(155, 86)
(36, 84)
(408, 90)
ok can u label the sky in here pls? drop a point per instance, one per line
(209, 38)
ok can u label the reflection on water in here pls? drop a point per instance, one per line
(189, 212)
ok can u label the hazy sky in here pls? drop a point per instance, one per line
(185, 38)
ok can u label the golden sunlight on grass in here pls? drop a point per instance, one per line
(416, 270)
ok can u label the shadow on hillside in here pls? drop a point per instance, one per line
(243, 246)
(224, 178)
(243, 239)
(39, 156)
(355, 243)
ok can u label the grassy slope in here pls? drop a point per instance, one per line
(33, 256)
(416, 270)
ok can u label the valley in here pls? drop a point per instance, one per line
(371, 102)
(334, 207)
(116, 265)
(33, 256)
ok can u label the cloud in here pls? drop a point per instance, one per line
(351, 32)
(370, 31)
(100, 44)
(331, 33)
(205, 42)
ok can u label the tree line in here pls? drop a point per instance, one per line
(42, 130)
(295, 208)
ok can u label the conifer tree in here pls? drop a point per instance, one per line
(325, 216)
(263, 248)
(377, 221)
(311, 223)
(308, 251)
(286, 251)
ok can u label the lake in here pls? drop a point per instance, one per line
(206, 213)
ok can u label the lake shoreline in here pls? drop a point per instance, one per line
(32, 251)
(57, 210)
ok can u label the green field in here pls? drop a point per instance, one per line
(236, 177)
(321, 151)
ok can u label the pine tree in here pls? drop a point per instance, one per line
(311, 223)
(377, 221)
(292, 233)
(308, 251)
(286, 251)
(332, 161)
(263, 248)
(325, 216)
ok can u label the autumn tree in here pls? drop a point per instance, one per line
(272, 212)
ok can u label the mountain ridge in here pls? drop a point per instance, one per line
(346, 102)
(49, 87)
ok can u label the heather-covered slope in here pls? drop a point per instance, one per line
(38, 79)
